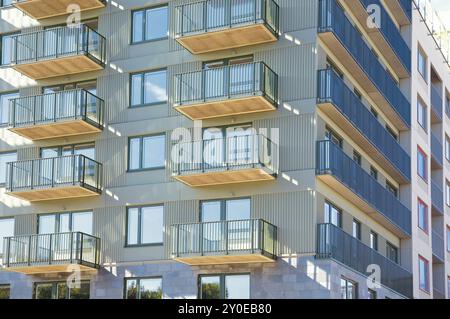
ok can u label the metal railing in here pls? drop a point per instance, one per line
(437, 197)
(332, 89)
(58, 43)
(392, 34)
(331, 160)
(436, 102)
(333, 19)
(241, 80)
(437, 150)
(438, 245)
(56, 107)
(223, 154)
(54, 172)
(213, 15)
(333, 242)
(254, 236)
(51, 249)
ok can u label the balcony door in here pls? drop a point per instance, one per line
(224, 13)
(226, 225)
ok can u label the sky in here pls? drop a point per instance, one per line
(443, 9)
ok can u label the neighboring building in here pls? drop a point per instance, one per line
(315, 150)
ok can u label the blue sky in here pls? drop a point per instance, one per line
(441, 4)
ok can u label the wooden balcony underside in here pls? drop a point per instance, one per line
(56, 193)
(356, 200)
(378, 38)
(48, 269)
(234, 37)
(237, 106)
(43, 9)
(63, 66)
(224, 259)
(341, 53)
(342, 121)
(55, 130)
(397, 11)
(227, 177)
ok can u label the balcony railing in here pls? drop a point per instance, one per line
(333, 242)
(437, 197)
(331, 160)
(47, 250)
(224, 238)
(436, 150)
(333, 19)
(438, 244)
(436, 103)
(49, 173)
(56, 107)
(332, 89)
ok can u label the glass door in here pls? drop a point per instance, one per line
(212, 231)
(241, 147)
(239, 225)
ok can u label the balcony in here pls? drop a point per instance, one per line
(347, 178)
(437, 199)
(224, 161)
(334, 243)
(226, 91)
(51, 253)
(58, 52)
(61, 114)
(341, 105)
(386, 36)
(438, 244)
(401, 10)
(46, 179)
(225, 242)
(437, 153)
(436, 106)
(345, 42)
(214, 25)
(43, 9)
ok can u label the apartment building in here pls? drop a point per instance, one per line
(223, 149)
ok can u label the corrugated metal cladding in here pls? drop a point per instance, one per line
(25, 224)
(114, 89)
(298, 14)
(112, 153)
(295, 218)
(109, 226)
(28, 153)
(29, 91)
(115, 27)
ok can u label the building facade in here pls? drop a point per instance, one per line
(223, 149)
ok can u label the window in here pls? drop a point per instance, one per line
(4, 159)
(85, 149)
(374, 112)
(422, 162)
(224, 287)
(392, 252)
(333, 137)
(147, 152)
(422, 114)
(4, 106)
(231, 209)
(65, 223)
(447, 193)
(349, 289)
(392, 188)
(333, 215)
(373, 238)
(145, 225)
(5, 292)
(6, 48)
(148, 88)
(357, 157)
(372, 294)
(60, 290)
(357, 93)
(356, 229)
(150, 24)
(424, 271)
(374, 172)
(448, 240)
(391, 131)
(447, 147)
(422, 212)
(6, 230)
(422, 63)
(143, 288)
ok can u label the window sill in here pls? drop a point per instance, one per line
(149, 41)
(140, 170)
(148, 104)
(144, 245)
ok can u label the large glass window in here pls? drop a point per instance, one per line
(422, 63)
(349, 289)
(448, 240)
(6, 230)
(4, 159)
(65, 223)
(422, 162)
(333, 215)
(145, 225)
(422, 212)
(147, 152)
(447, 147)
(356, 229)
(391, 252)
(5, 292)
(373, 239)
(148, 88)
(143, 288)
(447, 192)
(225, 287)
(4, 106)
(424, 274)
(422, 114)
(6, 47)
(60, 290)
(150, 24)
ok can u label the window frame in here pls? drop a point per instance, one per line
(54, 288)
(421, 54)
(141, 153)
(14, 225)
(9, 34)
(421, 202)
(423, 107)
(420, 151)
(222, 277)
(447, 147)
(138, 280)
(223, 207)
(5, 124)
(3, 184)
(139, 226)
(144, 24)
(427, 274)
(355, 287)
(376, 237)
(358, 225)
(142, 97)
(448, 239)
(328, 214)
(58, 219)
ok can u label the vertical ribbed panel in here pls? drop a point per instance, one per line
(114, 90)
(178, 213)
(112, 153)
(116, 28)
(295, 218)
(25, 225)
(28, 153)
(109, 226)
(297, 15)
(296, 69)
(173, 44)
(29, 91)
(296, 140)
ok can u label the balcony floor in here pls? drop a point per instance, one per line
(397, 11)
(235, 106)
(63, 66)
(341, 120)
(353, 198)
(56, 193)
(235, 37)
(224, 178)
(339, 50)
(48, 269)
(224, 260)
(43, 9)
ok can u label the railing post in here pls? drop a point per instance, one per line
(55, 102)
(226, 236)
(29, 251)
(81, 246)
(32, 174)
(8, 251)
(50, 247)
(71, 247)
(252, 236)
(178, 241)
(201, 238)
(262, 232)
